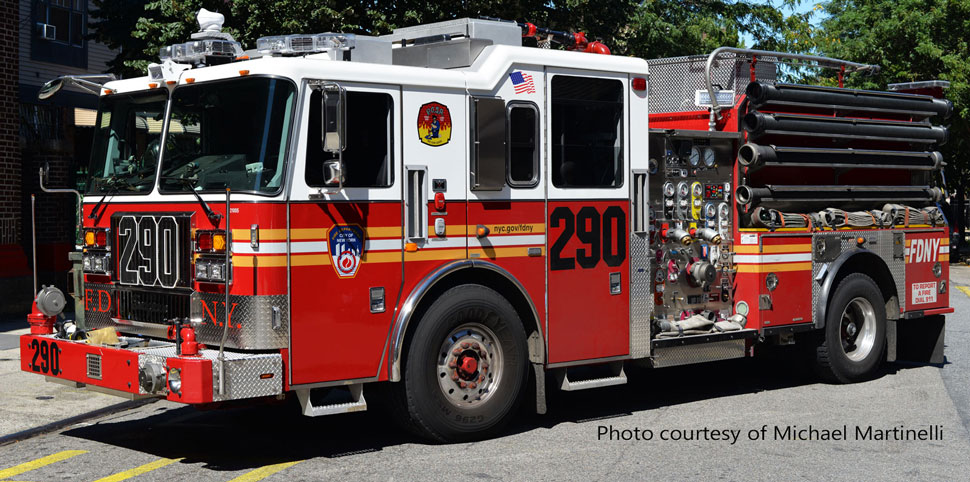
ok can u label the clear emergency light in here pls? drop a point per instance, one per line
(305, 44)
(197, 51)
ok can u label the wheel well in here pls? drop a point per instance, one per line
(484, 277)
(874, 267)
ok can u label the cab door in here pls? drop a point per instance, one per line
(346, 243)
(587, 215)
(506, 194)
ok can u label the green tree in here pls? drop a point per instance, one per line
(912, 40)
(649, 28)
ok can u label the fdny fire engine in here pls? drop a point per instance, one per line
(462, 222)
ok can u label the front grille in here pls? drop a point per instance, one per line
(94, 366)
(152, 306)
(152, 249)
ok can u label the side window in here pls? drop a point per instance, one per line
(369, 148)
(523, 144)
(587, 127)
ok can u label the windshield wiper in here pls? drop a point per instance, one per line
(114, 183)
(189, 182)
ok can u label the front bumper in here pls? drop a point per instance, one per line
(145, 368)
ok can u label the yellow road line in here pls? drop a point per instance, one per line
(138, 470)
(41, 462)
(263, 472)
(964, 289)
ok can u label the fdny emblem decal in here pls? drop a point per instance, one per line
(434, 124)
(346, 244)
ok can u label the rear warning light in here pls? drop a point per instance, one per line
(211, 242)
(95, 238)
(639, 84)
(203, 242)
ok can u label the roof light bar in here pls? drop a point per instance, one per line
(197, 51)
(305, 44)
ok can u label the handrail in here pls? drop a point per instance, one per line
(822, 62)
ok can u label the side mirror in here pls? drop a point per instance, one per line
(333, 109)
(50, 88)
(333, 173)
(45, 174)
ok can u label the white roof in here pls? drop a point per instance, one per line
(489, 69)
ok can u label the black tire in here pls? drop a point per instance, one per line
(850, 352)
(434, 413)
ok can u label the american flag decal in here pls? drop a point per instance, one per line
(522, 83)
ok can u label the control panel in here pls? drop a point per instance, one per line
(690, 223)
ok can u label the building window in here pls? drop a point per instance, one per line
(587, 127)
(66, 45)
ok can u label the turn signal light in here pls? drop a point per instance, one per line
(89, 238)
(219, 242)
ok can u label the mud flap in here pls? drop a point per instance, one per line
(920, 340)
(540, 380)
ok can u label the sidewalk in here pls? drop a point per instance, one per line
(28, 401)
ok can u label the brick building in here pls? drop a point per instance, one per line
(40, 40)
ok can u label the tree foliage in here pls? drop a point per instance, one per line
(912, 40)
(649, 28)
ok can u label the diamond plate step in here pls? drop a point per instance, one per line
(573, 385)
(357, 403)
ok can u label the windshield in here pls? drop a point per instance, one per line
(228, 134)
(126, 143)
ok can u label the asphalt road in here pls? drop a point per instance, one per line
(775, 390)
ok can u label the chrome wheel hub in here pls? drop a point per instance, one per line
(858, 330)
(469, 365)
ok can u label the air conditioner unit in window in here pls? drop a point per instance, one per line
(46, 31)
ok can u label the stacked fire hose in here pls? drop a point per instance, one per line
(831, 218)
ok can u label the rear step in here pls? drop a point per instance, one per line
(335, 400)
(614, 376)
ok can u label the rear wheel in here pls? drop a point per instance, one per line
(466, 365)
(855, 331)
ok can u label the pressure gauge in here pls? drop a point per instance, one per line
(710, 211)
(697, 189)
(709, 157)
(683, 190)
(695, 156)
(723, 210)
(669, 189)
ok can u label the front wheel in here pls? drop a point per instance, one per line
(466, 365)
(855, 331)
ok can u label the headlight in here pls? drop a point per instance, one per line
(175, 380)
(211, 270)
(201, 271)
(96, 263)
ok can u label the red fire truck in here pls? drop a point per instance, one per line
(456, 220)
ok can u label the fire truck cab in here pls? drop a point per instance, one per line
(448, 216)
